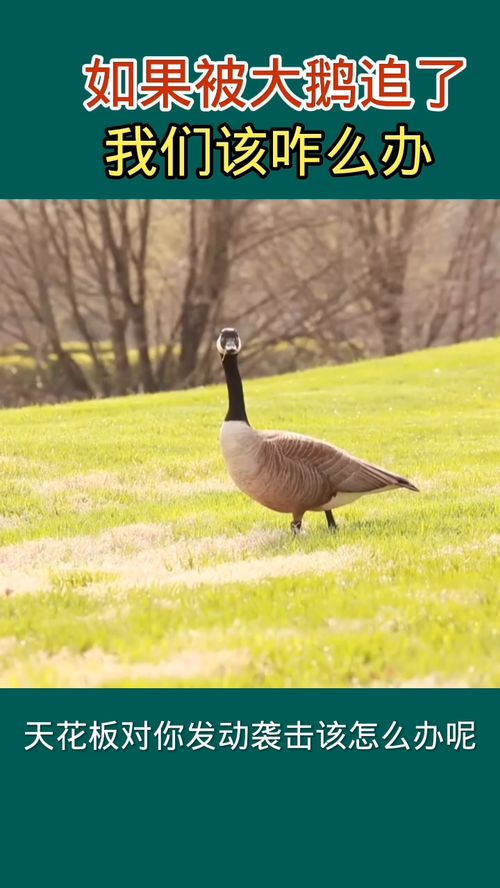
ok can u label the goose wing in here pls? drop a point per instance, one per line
(295, 460)
(339, 471)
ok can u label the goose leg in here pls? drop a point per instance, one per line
(296, 524)
(331, 520)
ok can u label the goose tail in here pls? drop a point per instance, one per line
(403, 482)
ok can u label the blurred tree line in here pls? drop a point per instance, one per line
(101, 298)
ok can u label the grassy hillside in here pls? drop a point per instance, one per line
(127, 557)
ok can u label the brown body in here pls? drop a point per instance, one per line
(297, 474)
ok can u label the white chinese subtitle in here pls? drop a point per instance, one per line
(261, 736)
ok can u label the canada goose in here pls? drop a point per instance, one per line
(288, 472)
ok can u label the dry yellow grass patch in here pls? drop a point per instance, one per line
(142, 554)
(146, 555)
(434, 680)
(341, 626)
(7, 645)
(78, 489)
(8, 522)
(491, 545)
(96, 668)
(255, 570)
(27, 567)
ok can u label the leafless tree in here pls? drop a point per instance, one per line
(113, 297)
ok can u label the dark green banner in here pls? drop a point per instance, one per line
(319, 103)
(138, 805)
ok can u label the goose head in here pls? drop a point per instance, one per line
(228, 342)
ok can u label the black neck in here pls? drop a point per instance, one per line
(236, 410)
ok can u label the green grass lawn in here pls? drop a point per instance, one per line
(127, 558)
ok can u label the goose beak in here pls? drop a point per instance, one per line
(231, 347)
